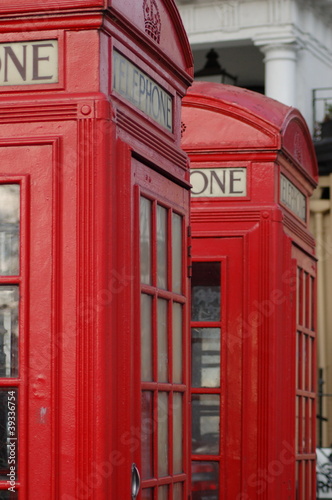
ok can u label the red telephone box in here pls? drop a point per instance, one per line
(253, 320)
(94, 198)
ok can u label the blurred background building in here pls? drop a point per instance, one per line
(282, 48)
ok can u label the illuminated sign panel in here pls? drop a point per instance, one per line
(219, 182)
(292, 198)
(141, 91)
(29, 62)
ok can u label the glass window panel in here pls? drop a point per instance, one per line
(205, 424)
(177, 343)
(8, 431)
(177, 253)
(147, 494)
(205, 483)
(9, 229)
(8, 331)
(162, 341)
(177, 433)
(313, 302)
(163, 492)
(162, 434)
(205, 351)
(178, 491)
(145, 240)
(146, 338)
(161, 247)
(8, 495)
(147, 435)
(205, 291)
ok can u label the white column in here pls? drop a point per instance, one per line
(280, 72)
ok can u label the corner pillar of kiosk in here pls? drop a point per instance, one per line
(91, 170)
(253, 169)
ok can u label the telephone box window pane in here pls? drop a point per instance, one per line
(9, 229)
(146, 338)
(177, 253)
(177, 433)
(206, 291)
(147, 435)
(177, 343)
(8, 431)
(161, 247)
(8, 331)
(205, 483)
(8, 495)
(177, 491)
(145, 240)
(162, 341)
(147, 494)
(163, 493)
(162, 434)
(205, 424)
(205, 352)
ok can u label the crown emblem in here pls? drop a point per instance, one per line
(152, 19)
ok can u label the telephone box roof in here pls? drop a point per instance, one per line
(225, 118)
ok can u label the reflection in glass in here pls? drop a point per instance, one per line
(205, 483)
(205, 424)
(8, 495)
(177, 491)
(163, 493)
(205, 352)
(162, 434)
(205, 291)
(177, 433)
(147, 435)
(8, 331)
(161, 247)
(177, 343)
(146, 338)
(8, 431)
(177, 253)
(162, 341)
(147, 494)
(9, 229)
(145, 240)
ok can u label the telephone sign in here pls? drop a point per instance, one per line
(29, 62)
(142, 91)
(218, 182)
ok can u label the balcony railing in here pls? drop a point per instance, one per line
(322, 112)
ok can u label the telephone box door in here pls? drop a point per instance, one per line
(27, 331)
(216, 347)
(156, 425)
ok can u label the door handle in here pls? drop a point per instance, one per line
(135, 481)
